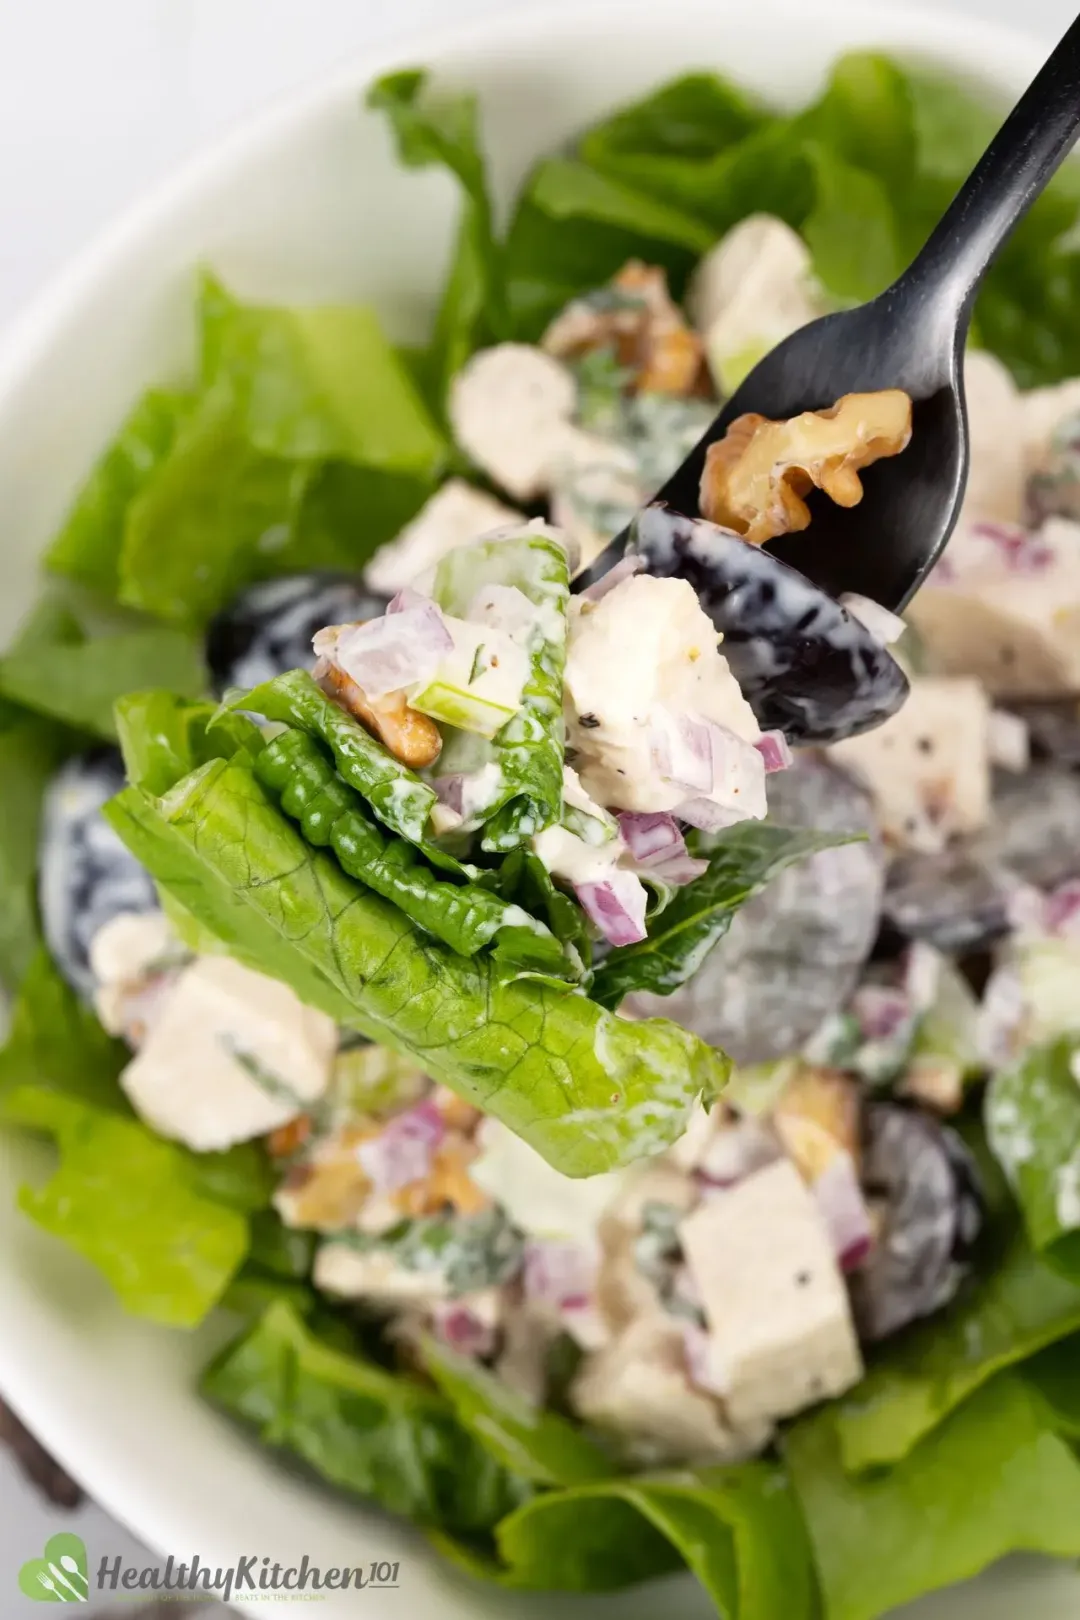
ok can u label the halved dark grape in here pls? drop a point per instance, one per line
(794, 953)
(807, 667)
(928, 1186)
(268, 628)
(87, 876)
(1035, 830)
(956, 900)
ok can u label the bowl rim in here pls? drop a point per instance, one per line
(999, 51)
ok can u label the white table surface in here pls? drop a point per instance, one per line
(98, 98)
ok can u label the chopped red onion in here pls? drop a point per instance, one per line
(682, 750)
(407, 598)
(707, 815)
(880, 1011)
(450, 790)
(460, 1327)
(1001, 1017)
(736, 1151)
(775, 751)
(922, 975)
(626, 568)
(844, 1210)
(678, 870)
(884, 626)
(393, 652)
(651, 836)
(403, 1152)
(703, 1366)
(617, 906)
(1063, 910)
(559, 1273)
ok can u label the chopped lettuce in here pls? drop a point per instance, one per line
(1032, 1113)
(536, 1445)
(1052, 1375)
(436, 127)
(316, 384)
(165, 1227)
(742, 861)
(385, 1437)
(88, 546)
(529, 751)
(919, 1378)
(584, 1088)
(993, 1479)
(76, 679)
(739, 1530)
(31, 749)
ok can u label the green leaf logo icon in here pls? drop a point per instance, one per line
(60, 1575)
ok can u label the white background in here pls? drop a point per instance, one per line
(98, 98)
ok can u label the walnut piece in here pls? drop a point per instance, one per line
(411, 737)
(635, 316)
(757, 477)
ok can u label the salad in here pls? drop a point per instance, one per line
(611, 1047)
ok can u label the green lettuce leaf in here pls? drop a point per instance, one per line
(56, 1048)
(921, 1377)
(31, 750)
(1032, 1113)
(1052, 1375)
(539, 1446)
(587, 1090)
(993, 1479)
(738, 1530)
(132, 1205)
(574, 227)
(316, 384)
(331, 815)
(163, 737)
(78, 681)
(742, 861)
(530, 748)
(366, 1430)
(89, 544)
(396, 794)
(435, 127)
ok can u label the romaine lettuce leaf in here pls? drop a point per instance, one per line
(31, 750)
(993, 1479)
(398, 797)
(332, 815)
(438, 127)
(574, 227)
(587, 1090)
(1032, 1113)
(530, 748)
(536, 1445)
(369, 1431)
(56, 1048)
(918, 1379)
(1052, 1375)
(316, 384)
(742, 860)
(88, 546)
(78, 682)
(739, 1530)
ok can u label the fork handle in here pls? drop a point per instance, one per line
(1016, 166)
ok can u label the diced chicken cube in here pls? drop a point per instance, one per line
(511, 408)
(754, 288)
(232, 1055)
(456, 516)
(539, 1200)
(638, 1389)
(998, 459)
(928, 767)
(1005, 608)
(622, 713)
(375, 1276)
(777, 1312)
(131, 943)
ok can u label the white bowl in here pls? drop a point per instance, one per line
(307, 203)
